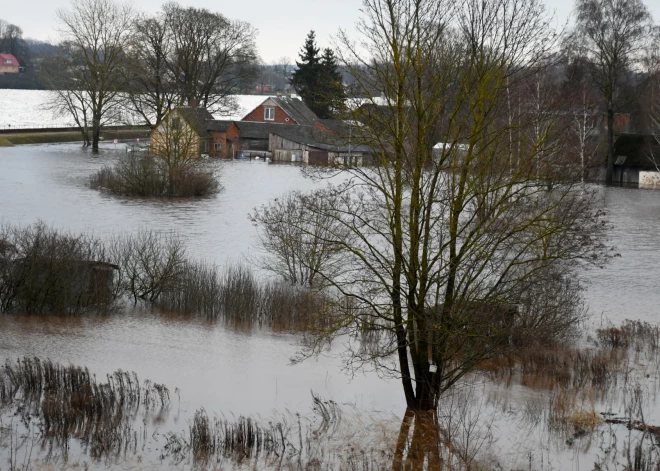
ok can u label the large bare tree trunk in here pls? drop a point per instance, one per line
(96, 133)
(610, 144)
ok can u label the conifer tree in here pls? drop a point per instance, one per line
(317, 79)
(333, 87)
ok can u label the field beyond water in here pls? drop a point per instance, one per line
(174, 391)
(32, 109)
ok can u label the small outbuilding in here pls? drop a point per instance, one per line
(311, 145)
(637, 160)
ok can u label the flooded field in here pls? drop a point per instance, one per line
(236, 372)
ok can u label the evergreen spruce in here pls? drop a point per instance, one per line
(333, 86)
(317, 79)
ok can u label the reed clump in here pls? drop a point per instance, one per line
(573, 411)
(68, 402)
(247, 440)
(236, 296)
(632, 333)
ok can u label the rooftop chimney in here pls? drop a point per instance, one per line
(279, 92)
(193, 102)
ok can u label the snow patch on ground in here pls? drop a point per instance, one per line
(33, 109)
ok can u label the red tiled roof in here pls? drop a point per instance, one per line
(4, 57)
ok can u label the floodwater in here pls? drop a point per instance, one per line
(222, 369)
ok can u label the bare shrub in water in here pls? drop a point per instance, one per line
(43, 270)
(198, 288)
(298, 243)
(173, 169)
(150, 263)
(144, 175)
(237, 296)
(196, 291)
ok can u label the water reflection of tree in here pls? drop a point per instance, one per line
(421, 446)
(451, 437)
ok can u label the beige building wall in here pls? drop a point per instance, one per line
(163, 135)
(649, 180)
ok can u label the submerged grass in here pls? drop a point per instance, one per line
(68, 402)
(236, 296)
(287, 441)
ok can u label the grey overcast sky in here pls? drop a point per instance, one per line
(282, 25)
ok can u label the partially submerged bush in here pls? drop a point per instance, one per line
(144, 175)
(46, 271)
(43, 270)
(150, 263)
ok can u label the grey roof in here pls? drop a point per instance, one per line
(313, 137)
(197, 118)
(252, 130)
(335, 125)
(218, 125)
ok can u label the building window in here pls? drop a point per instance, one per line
(269, 114)
(217, 146)
(7, 61)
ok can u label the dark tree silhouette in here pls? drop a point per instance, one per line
(318, 80)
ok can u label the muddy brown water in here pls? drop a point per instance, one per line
(229, 370)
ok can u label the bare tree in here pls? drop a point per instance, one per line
(283, 65)
(67, 99)
(151, 90)
(210, 54)
(586, 117)
(11, 38)
(295, 240)
(441, 243)
(96, 33)
(613, 34)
